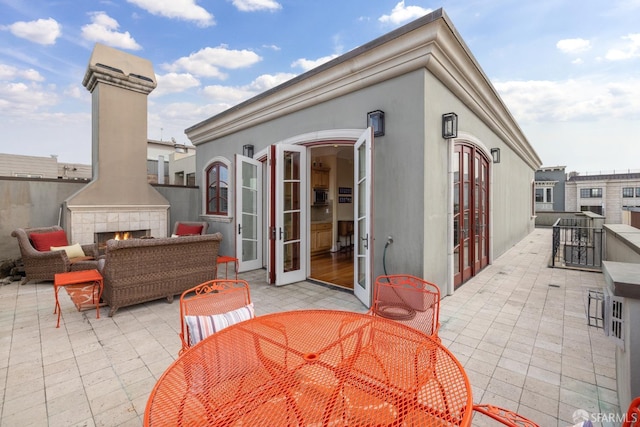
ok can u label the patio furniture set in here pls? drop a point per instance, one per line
(304, 367)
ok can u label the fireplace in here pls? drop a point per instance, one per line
(101, 238)
(118, 198)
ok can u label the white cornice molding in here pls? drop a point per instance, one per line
(430, 42)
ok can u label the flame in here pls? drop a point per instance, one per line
(122, 235)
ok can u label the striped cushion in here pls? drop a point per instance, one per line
(201, 327)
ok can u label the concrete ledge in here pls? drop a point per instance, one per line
(623, 278)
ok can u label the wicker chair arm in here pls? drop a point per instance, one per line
(90, 249)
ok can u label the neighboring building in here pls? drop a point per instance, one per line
(421, 203)
(550, 188)
(178, 165)
(607, 194)
(160, 154)
(41, 167)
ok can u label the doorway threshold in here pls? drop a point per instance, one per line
(329, 285)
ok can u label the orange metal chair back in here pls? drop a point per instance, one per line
(408, 299)
(632, 419)
(213, 297)
(504, 416)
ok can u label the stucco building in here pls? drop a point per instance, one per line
(550, 191)
(610, 195)
(423, 203)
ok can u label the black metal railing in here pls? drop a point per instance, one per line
(576, 244)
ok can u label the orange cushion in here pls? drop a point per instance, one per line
(184, 229)
(43, 241)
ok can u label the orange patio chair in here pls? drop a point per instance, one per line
(408, 299)
(632, 418)
(504, 416)
(211, 306)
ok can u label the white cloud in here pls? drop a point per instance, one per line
(41, 31)
(631, 50)
(402, 13)
(256, 5)
(309, 64)
(573, 46)
(233, 95)
(186, 10)
(19, 98)
(571, 100)
(208, 61)
(271, 46)
(9, 73)
(103, 29)
(174, 83)
(76, 91)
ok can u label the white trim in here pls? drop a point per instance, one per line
(430, 43)
(323, 135)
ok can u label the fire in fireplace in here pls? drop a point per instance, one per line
(101, 238)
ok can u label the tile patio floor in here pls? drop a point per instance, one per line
(519, 328)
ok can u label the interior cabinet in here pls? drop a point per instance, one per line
(320, 177)
(321, 237)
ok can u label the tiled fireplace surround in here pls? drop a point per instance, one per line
(87, 221)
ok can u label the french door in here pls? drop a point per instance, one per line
(470, 212)
(288, 226)
(248, 213)
(362, 214)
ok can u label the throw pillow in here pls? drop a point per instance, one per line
(201, 327)
(73, 251)
(43, 241)
(184, 229)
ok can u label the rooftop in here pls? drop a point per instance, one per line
(519, 328)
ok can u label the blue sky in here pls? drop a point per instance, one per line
(569, 71)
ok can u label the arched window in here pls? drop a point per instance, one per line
(218, 189)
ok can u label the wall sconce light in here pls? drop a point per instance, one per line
(375, 119)
(449, 125)
(495, 154)
(247, 150)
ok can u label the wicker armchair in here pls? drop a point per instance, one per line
(41, 266)
(190, 226)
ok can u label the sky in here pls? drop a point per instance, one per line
(568, 70)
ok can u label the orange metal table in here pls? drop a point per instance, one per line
(313, 367)
(76, 278)
(225, 259)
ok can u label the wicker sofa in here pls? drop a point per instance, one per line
(141, 270)
(43, 265)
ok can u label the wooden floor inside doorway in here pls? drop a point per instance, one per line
(335, 268)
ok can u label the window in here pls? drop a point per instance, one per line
(627, 192)
(217, 189)
(637, 191)
(586, 193)
(594, 209)
(539, 195)
(544, 195)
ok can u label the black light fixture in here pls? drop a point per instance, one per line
(495, 154)
(375, 120)
(449, 125)
(247, 150)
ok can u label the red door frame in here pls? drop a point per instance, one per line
(470, 212)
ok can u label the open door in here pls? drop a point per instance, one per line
(248, 213)
(288, 224)
(362, 214)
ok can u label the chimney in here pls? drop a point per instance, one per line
(119, 192)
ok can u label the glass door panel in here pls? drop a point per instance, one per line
(362, 214)
(290, 216)
(248, 213)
